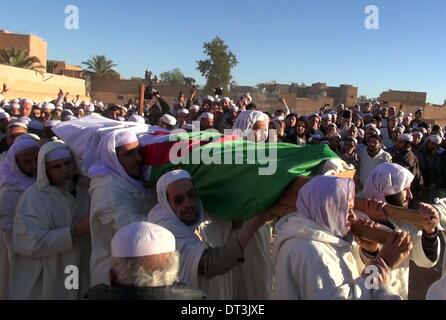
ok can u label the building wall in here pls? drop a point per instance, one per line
(29, 84)
(345, 94)
(120, 91)
(36, 46)
(404, 97)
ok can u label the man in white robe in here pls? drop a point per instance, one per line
(208, 250)
(49, 226)
(437, 290)
(253, 279)
(390, 183)
(18, 173)
(313, 254)
(118, 196)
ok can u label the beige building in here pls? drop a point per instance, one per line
(410, 98)
(35, 45)
(346, 94)
(64, 69)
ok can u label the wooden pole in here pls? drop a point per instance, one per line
(367, 233)
(142, 88)
(287, 205)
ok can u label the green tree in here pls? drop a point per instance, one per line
(174, 77)
(101, 66)
(217, 69)
(20, 58)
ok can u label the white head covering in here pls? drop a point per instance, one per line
(163, 210)
(168, 119)
(90, 108)
(58, 154)
(4, 115)
(405, 137)
(387, 179)
(17, 124)
(330, 211)
(25, 120)
(279, 118)
(27, 136)
(194, 108)
(183, 111)
(108, 162)
(233, 107)
(49, 106)
(187, 243)
(69, 117)
(42, 178)
(418, 133)
(247, 119)
(59, 107)
(10, 171)
(206, 115)
(51, 123)
(141, 239)
(209, 98)
(435, 139)
(137, 118)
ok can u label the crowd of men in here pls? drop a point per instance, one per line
(131, 242)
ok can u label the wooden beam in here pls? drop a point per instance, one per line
(287, 205)
(142, 88)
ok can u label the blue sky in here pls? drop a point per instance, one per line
(283, 40)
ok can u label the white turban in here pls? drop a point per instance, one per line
(435, 139)
(137, 118)
(194, 108)
(10, 171)
(49, 106)
(183, 111)
(90, 108)
(206, 115)
(4, 115)
(58, 154)
(329, 212)
(17, 124)
(125, 137)
(168, 119)
(406, 137)
(108, 162)
(141, 239)
(51, 123)
(247, 120)
(387, 179)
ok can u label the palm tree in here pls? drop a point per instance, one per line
(20, 58)
(101, 66)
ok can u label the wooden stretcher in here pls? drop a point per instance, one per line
(287, 205)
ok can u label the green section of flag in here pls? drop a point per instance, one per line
(237, 190)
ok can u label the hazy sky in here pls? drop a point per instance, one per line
(301, 41)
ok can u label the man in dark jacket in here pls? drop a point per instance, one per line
(144, 266)
(406, 158)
